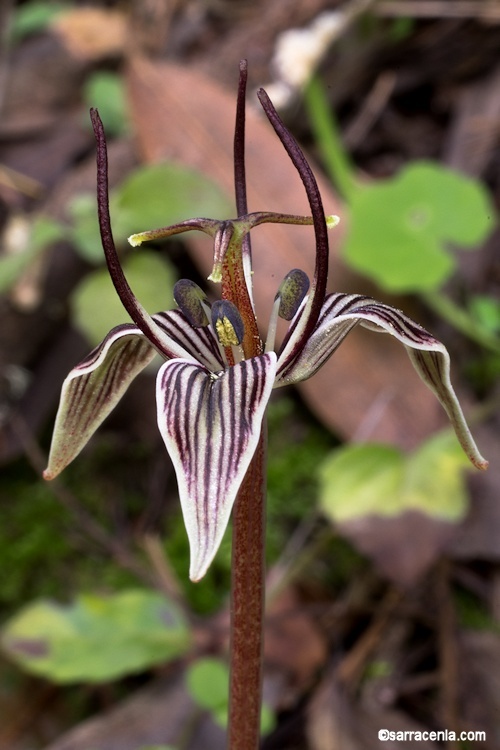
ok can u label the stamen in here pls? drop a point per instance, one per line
(292, 291)
(193, 302)
(289, 297)
(271, 328)
(227, 323)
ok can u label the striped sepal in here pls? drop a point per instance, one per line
(211, 427)
(92, 389)
(434, 369)
(341, 312)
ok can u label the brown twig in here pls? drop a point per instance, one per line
(351, 667)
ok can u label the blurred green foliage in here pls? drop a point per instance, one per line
(96, 638)
(297, 446)
(400, 227)
(34, 16)
(152, 280)
(105, 91)
(150, 197)
(374, 479)
(207, 680)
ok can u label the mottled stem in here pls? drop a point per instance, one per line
(247, 604)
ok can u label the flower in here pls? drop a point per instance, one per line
(216, 381)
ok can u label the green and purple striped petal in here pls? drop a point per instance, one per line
(340, 313)
(92, 390)
(211, 426)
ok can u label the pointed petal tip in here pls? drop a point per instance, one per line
(480, 463)
(197, 572)
(48, 475)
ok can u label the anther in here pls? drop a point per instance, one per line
(292, 291)
(192, 301)
(227, 323)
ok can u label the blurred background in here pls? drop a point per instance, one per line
(382, 542)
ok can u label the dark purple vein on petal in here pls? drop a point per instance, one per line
(211, 429)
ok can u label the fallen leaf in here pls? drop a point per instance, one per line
(480, 681)
(477, 536)
(155, 715)
(402, 547)
(92, 33)
(335, 722)
(293, 642)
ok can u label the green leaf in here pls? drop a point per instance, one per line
(486, 311)
(85, 228)
(34, 16)
(165, 194)
(96, 638)
(208, 684)
(151, 197)
(399, 227)
(106, 91)
(375, 479)
(97, 307)
(42, 233)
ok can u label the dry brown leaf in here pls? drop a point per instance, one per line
(92, 33)
(335, 722)
(477, 536)
(480, 683)
(403, 547)
(158, 714)
(293, 642)
(181, 114)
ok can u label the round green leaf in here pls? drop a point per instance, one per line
(460, 208)
(106, 91)
(374, 479)
(85, 228)
(399, 228)
(97, 307)
(32, 17)
(208, 683)
(358, 480)
(398, 258)
(164, 194)
(96, 638)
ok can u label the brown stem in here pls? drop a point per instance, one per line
(247, 604)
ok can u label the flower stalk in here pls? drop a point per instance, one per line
(247, 604)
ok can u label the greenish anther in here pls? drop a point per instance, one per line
(193, 302)
(292, 291)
